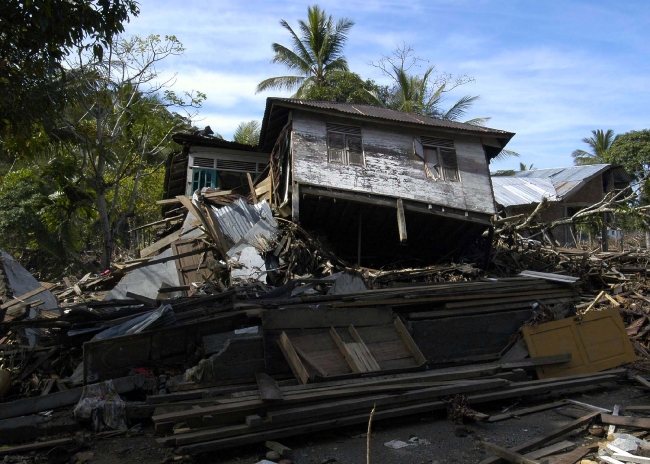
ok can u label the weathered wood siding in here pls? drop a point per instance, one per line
(391, 167)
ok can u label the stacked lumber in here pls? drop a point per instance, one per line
(272, 411)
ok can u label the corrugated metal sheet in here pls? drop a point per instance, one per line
(560, 175)
(513, 191)
(238, 218)
(391, 115)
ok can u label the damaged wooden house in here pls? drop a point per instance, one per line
(567, 190)
(376, 184)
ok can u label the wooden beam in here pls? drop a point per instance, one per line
(251, 187)
(35, 446)
(295, 203)
(292, 357)
(626, 421)
(526, 411)
(401, 221)
(269, 390)
(164, 260)
(160, 244)
(22, 298)
(539, 441)
(508, 455)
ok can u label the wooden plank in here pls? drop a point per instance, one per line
(355, 364)
(506, 454)
(35, 446)
(551, 449)
(308, 318)
(597, 340)
(164, 260)
(168, 201)
(160, 244)
(313, 364)
(627, 457)
(642, 381)
(626, 421)
(406, 337)
(576, 455)
(542, 440)
(295, 202)
(292, 358)
(401, 221)
(217, 194)
(24, 374)
(253, 420)
(56, 400)
(252, 188)
(372, 363)
(269, 390)
(22, 298)
(526, 411)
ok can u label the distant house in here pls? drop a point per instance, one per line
(380, 185)
(567, 189)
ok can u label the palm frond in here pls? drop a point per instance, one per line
(302, 89)
(289, 59)
(505, 154)
(280, 83)
(247, 133)
(339, 64)
(459, 108)
(478, 121)
(298, 46)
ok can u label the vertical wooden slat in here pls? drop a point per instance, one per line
(401, 221)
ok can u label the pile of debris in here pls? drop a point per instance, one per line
(240, 327)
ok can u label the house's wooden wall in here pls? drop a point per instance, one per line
(391, 167)
(590, 193)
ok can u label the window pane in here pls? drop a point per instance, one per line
(335, 140)
(337, 156)
(450, 164)
(354, 144)
(433, 164)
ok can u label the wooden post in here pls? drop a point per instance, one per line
(401, 221)
(359, 243)
(295, 203)
(603, 234)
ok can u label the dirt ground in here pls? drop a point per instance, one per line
(449, 443)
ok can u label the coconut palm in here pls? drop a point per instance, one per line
(599, 143)
(312, 55)
(247, 133)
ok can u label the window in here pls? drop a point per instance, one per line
(344, 145)
(203, 178)
(440, 158)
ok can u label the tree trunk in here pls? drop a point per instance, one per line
(647, 239)
(104, 221)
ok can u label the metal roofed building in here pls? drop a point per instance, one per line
(568, 189)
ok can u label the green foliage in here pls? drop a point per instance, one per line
(247, 133)
(599, 143)
(313, 55)
(346, 88)
(632, 151)
(35, 37)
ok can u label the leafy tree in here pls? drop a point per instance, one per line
(248, 133)
(599, 143)
(35, 37)
(424, 94)
(314, 54)
(347, 88)
(632, 151)
(117, 125)
(523, 167)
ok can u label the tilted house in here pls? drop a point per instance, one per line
(568, 190)
(379, 185)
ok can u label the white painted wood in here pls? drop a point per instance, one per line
(392, 169)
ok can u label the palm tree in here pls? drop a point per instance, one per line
(313, 55)
(599, 143)
(247, 133)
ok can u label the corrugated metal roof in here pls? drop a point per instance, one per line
(512, 191)
(560, 175)
(391, 115)
(236, 219)
(557, 183)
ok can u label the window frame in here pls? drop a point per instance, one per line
(352, 131)
(442, 171)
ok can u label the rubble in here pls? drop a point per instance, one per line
(250, 329)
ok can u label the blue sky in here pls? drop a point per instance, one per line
(551, 71)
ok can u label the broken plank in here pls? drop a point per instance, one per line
(160, 244)
(576, 455)
(22, 298)
(539, 441)
(292, 358)
(269, 390)
(164, 260)
(508, 455)
(401, 221)
(551, 449)
(631, 458)
(626, 421)
(309, 319)
(642, 381)
(35, 446)
(612, 427)
(526, 411)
